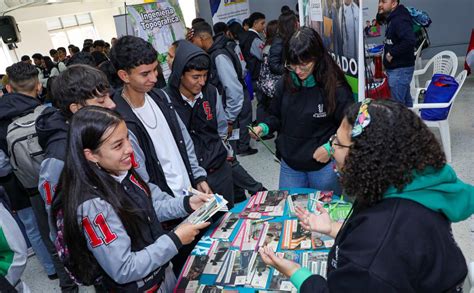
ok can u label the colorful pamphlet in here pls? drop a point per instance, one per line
(193, 268)
(265, 203)
(226, 226)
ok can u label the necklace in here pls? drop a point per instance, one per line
(126, 98)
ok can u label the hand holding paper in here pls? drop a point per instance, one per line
(197, 200)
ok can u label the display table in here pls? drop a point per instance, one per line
(204, 245)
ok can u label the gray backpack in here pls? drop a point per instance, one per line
(24, 150)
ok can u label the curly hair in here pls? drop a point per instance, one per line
(130, 52)
(394, 145)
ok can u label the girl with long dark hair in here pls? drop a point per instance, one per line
(287, 25)
(306, 111)
(398, 237)
(108, 217)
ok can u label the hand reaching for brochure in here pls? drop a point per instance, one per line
(196, 201)
(321, 155)
(321, 223)
(204, 187)
(186, 232)
(285, 266)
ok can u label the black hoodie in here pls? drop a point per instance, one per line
(52, 130)
(400, 39)
(201, 119)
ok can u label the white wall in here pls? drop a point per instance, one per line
(104, 23)
(34, 33)
(34, 38)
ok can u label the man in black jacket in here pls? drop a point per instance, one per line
(226, 74)
(199, 107)
(399, 58)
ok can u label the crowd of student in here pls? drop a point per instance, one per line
(121, 144)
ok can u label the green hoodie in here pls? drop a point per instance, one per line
(440, 191)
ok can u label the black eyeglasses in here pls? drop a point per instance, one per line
(335, 142)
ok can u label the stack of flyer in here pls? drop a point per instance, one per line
(207, 210)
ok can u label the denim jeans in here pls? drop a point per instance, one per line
(323, 179)
(28, 219)
(399, 80)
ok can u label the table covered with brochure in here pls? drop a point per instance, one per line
(226, 259)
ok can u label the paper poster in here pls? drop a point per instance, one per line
(315, 10)
(371, 27)
(225, 10)
(159, 23)
(337, 22)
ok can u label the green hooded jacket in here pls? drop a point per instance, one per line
(441, 191)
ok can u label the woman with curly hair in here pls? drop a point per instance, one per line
(398, 237)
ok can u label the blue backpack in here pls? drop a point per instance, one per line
(419, 17)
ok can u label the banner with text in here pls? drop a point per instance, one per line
(225, 10)
(159, 23)
(337, 22)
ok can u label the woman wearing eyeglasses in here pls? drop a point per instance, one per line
(398, 236)
(306, 111)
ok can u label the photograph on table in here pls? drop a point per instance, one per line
(259, 273)
(281, 282)
(301, 201)
(189, 281)
(214, 289)
(236, 274)
(316, 262)
(254, 234)
(265, 203)
(273, 235)
(297, 238)
(217, 254)
(226, 227)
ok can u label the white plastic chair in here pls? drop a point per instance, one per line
(443, 125)
(445, 62)
(418, 59)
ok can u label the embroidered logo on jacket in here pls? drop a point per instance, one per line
(207, 110)
(336, 257)
(320, 113)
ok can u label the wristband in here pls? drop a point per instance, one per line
(265, 128)
(298, 278)
(327, 147)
